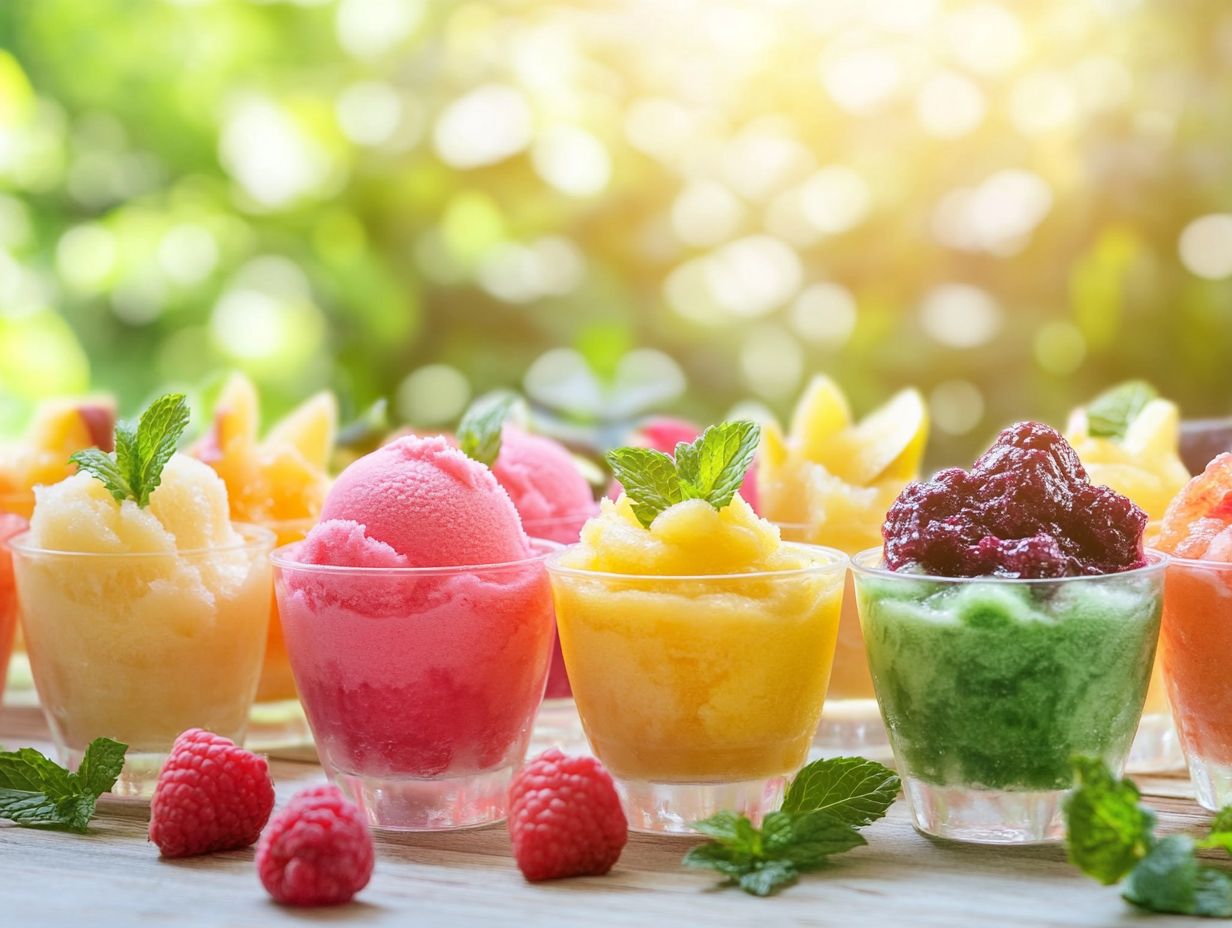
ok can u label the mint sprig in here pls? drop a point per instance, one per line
(39, 793)
(710, 468)
(1111, 413)
(142, 450)
(1111, 836)
(825, 805)
(479, 432)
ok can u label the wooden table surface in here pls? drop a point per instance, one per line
(113, 876)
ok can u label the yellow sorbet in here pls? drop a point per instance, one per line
(830, 480)
(141, 623)
(1145, 465)
(699, 649)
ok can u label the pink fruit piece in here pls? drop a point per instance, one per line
(1025, 509)
(1201, 514)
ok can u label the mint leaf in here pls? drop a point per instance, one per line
(1111, 413)
(1221, 831)
(649, 480)
(102, 466)
(715, 464)
(829, 799)
(710, 468)
(37, 792)
(479, 432)
(1169, 879)
(141, 451)
(768, 878)
(850, 789)
(158, 432)
(1107, 830)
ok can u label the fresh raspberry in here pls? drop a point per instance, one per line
(210, 796)
(316, 851)
(565, 818)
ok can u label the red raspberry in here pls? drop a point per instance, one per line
(316, 851)
(565, 818)
(210, 796)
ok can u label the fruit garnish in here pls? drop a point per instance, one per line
(565, 818)
(316, 851)
(1198, 523)
(826, 804)
(1025, 510)
(1111, 836)
(37, 792)
(820, 414)
(211, 796)
(134, 470)
(1111, 413)
(479, 432)
(710, 468)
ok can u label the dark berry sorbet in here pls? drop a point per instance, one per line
(1026, 509)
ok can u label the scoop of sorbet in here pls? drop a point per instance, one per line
(1025, 510)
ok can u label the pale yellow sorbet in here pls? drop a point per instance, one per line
(702, 650)
(142, 622)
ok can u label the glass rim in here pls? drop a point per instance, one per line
(282, 559)
(838, 562)
(1156, 562)
(1201, 563)
(253, 537)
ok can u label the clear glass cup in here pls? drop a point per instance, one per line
(700, 693)
(989, 686)
(421, 684)
(278, 723)
(18, 686)
(1156, 747)
(1196, 649)
(140, 646)
(850, 722)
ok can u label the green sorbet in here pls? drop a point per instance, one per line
(993, 684)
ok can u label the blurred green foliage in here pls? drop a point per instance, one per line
(682, 204)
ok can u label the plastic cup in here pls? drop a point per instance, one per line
(420, 684)
(141, 646)
(989, 686)
(700, 693)
(1196, 649)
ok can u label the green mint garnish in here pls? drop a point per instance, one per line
(479, 432)
(37, 792)
(711, 468)
(1111, 836)
(1111, 413)
(135, 470)
(825, 804)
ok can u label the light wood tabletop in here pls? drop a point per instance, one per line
(114, 876)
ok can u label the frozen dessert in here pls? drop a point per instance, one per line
(41, 455)
(1129, 439)
(698, 644)
(1194, 645)
(279, 482)
(829, 481)
(145, 610)
(418, 619)
(1011, 620)
(10, 525)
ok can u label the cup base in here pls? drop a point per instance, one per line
(559, 725)
(138, 778)
(670, 808)
(852, 726)
(1212, 783)
(279, 727)
(1156, 748)
(985, 816)
(429, 804)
